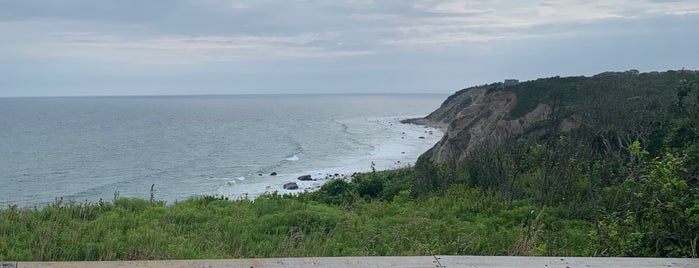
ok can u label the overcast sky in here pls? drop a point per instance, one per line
(138, 47)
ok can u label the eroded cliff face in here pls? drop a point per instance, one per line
(474, 117)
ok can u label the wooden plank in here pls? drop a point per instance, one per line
(329, 262)
(563, 262)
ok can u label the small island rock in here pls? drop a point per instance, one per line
(291, 186)
(305, 178)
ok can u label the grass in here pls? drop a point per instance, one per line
(458, 221)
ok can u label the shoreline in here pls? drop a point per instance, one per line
(400, 149)
(444, 127)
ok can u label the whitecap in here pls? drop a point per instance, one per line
(219, 178)
(241, 178)
(292, 158)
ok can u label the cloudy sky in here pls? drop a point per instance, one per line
(137, 47)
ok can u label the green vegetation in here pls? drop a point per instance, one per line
(624, 183)
(576, 94)
(458, 220)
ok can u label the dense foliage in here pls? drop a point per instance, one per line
(630, 167)
(624, 183)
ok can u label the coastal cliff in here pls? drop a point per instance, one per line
(476, 116)
(490, 114)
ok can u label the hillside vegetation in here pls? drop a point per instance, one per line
(579, 166)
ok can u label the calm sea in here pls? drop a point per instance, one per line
(90, 148)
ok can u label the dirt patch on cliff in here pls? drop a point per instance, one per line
(482, 121)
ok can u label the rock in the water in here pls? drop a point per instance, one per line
(291, 186)
(305, 178)
(273, 174)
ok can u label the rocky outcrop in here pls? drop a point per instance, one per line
(476, 116)
(305, 178)
(291, 186)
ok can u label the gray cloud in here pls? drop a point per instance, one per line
(435, 42)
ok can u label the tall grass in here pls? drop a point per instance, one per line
(458, 221)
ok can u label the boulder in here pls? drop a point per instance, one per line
(273, 174)
(305, 178)
(291, 186)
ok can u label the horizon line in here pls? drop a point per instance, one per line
(223, 95)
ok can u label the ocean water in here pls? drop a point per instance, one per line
(90, 148)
